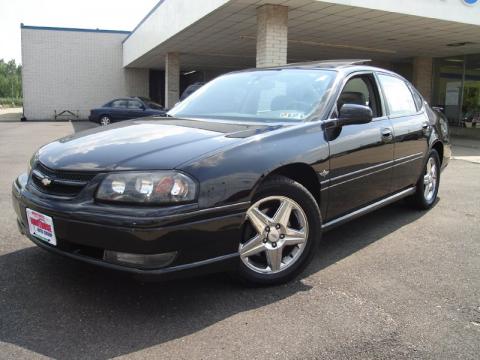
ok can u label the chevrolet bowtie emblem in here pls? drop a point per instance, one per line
(46, 181)
(324, 173)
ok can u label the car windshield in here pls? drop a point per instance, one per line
(261, 95)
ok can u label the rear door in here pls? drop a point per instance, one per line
(361, 155)
(411, 128)
(135, 109)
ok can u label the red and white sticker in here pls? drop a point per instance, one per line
(41, 226)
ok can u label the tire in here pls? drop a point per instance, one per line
(423, 199)
(282, 249)
(105, 120)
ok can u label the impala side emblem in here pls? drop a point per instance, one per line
(324, 173)
(46, 181)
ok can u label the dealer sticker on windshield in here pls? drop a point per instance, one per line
(292, 115)
(41, 226)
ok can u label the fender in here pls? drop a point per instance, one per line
(231, 175)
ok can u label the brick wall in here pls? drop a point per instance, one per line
(172, 79)
(76, 71)
(422, 76)
(272, 35)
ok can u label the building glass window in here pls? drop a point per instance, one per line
(471, 92)
(457, 89)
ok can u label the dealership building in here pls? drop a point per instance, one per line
(433, 43)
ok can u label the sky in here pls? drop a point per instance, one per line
(90, 14)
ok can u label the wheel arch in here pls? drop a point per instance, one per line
(438, 147)
(302, 173)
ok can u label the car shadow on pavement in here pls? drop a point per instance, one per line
(60, 308)
(351, 237)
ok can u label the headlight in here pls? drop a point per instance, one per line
(160, 187)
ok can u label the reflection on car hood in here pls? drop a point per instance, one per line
(145, 144)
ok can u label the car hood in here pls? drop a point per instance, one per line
(145, 144)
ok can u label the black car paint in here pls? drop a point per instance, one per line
(352, 166)
(120, 114)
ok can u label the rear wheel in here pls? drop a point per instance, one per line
(427, 186)
(282, 226)
(105, 120)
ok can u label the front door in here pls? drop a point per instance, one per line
(118, 109)
(411, 128)
(360, 155)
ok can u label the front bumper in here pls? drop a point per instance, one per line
(205, 240)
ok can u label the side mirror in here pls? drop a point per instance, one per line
(351, 114)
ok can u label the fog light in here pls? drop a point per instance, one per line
(147, 261)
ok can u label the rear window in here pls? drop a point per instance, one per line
(134, 104)
(417, 98)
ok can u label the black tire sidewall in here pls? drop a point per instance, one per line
(282, 186)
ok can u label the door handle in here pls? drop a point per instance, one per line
(387, 135)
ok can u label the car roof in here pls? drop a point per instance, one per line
(129, 98)
(346, 66)
(323, 64)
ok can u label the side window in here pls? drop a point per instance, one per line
(134, 104)
(398, 96)
(360, 90)
(119, 104)
(417, 98)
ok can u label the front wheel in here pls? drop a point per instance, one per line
(105, 120)
(282, 227)
(428, 184)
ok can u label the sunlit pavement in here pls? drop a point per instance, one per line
(395, 284)
(10, 114)
(467, 150)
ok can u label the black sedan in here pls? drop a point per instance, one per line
(125, 109)
(245, 175)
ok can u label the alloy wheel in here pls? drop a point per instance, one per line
(430, 179)
(105, 120)
(277, 236)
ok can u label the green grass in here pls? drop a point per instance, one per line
(9, 102)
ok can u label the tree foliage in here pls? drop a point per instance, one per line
(10, 79)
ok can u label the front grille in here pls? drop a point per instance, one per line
(60, 183)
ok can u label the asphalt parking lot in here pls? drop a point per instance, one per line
(395, 284)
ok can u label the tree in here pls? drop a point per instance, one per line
(10, 79)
